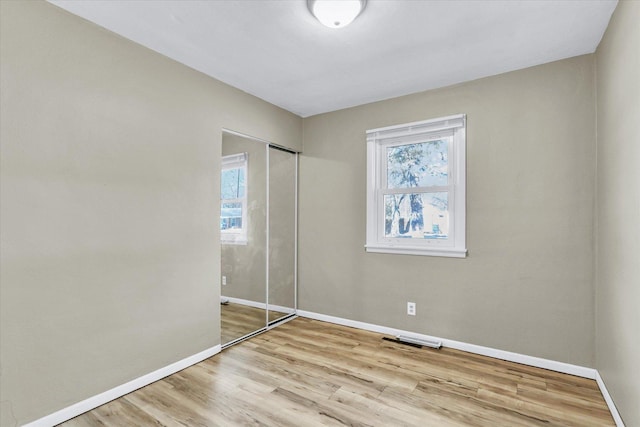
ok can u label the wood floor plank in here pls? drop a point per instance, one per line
(451, 410)
(237, 320)
(311, 373)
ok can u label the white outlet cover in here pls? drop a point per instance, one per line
(411, 308)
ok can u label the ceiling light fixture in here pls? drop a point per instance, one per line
(336, 13)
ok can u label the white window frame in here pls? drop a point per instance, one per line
(378, 140)
(234, 236)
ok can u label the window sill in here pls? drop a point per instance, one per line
(240, 242)
(412, 250)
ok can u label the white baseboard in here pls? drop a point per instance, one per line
(256, 304)
(538, 362)
(109, 395)
(609, 400)
(119, 391)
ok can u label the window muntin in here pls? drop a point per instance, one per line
(416, 185)
(233, 199)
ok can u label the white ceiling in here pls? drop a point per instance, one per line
(275, 49)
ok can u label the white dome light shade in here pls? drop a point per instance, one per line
(336, 13)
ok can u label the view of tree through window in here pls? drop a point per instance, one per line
(421, 213)
(416, 188)
(232, 191)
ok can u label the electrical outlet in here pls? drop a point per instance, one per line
(224, 280)
(411, 308)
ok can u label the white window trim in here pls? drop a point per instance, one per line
(377, 141)
(233, 237)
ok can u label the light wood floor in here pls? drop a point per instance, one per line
(307, 373)
(237, 320)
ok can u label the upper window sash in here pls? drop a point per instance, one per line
(383, 162)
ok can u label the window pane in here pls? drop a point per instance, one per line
(231, 216)
(416, 215)
(418, 165)
(232, 184)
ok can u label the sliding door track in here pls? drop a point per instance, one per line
(271, 325)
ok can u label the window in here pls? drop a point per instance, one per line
(416, 188)
(233, 199)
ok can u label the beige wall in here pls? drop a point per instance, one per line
(109, 199)
(618, 210)
(527, 284)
